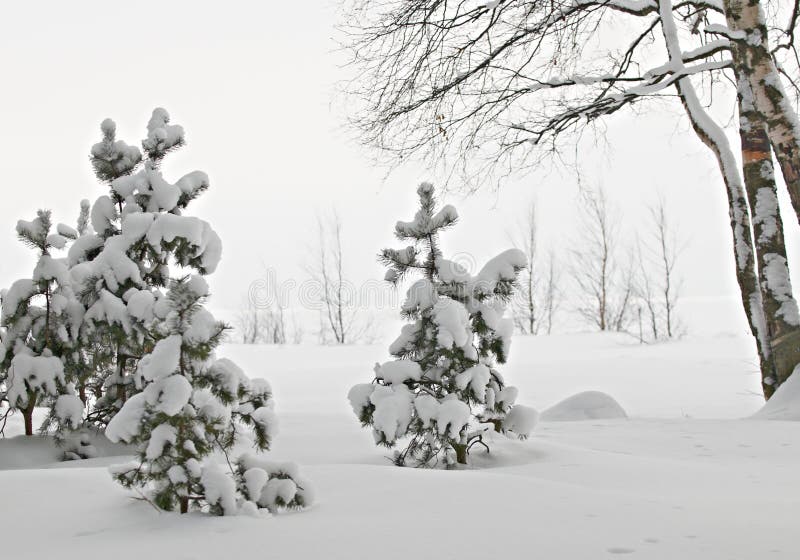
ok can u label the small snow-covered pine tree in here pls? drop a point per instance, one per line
(192, 404)
(443, 391)
(41, 317)
(122, 262)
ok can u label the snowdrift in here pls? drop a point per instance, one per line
(785, 403)
(588, 405)
(671, 482)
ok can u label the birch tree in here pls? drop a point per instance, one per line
(328, 271)
(760, 69)
(658, 284)
(495, 87)
(767, 120)
(552, 293)
(526, 306)
(604, 283)
(262, 316)
(340, 317)
(256, 325)
(538, 296)
(668, 250)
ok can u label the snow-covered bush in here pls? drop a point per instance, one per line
(443, 391)
(191, 405)
(271, 485)
(41, 319)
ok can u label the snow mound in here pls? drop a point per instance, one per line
(589, 405)
(785, 403)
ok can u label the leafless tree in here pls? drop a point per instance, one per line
(492, 83)
(658, 285)
(603, 279)
(552, 293)
(668, 251)
(626, 292)
(248, 322)
(296, 332)
(340, 318)
(539, 296)
(259, 324)
(648, 298)
(526, 311)
(262, 317)
(493, 88)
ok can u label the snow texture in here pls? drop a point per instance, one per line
(20, 291)
(452, 416)
(398, 371)
(504, 266)
(169, 394)
(219, 488)
(452, 320)
(163, 360)
(359, 396)
(421, 295)
(159, 438)
(476, 378)
(39, 373)
(109, 309)
(140, 305)
(393, 411)
(69, 410)
(452, 272)
(125, 425)
(521, 420)
(206, 244)
(103, 215)
(422, 224)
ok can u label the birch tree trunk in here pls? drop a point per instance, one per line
(746, 275)
(780, 308)
(712, 135)
(752, 55)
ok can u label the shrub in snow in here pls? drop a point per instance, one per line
(192, 404)
(41, 319)
(121, 263)
(442, 391)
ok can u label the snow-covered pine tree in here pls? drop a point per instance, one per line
(41, 318)
(191, 405)
(85, 358)
(443, 390)
(122, 265)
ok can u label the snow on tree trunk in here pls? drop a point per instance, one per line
(753, 59)
(782, 321)
(714, 137)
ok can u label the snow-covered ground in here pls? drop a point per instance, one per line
(686, 476)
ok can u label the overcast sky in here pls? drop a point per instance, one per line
(254, 85)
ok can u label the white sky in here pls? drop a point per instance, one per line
(253, 85)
